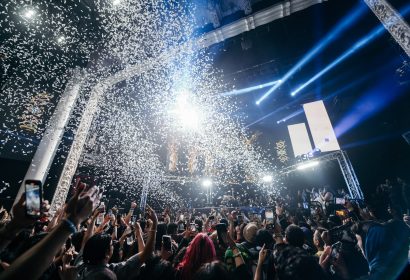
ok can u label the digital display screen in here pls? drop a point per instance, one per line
(269, 215)
(33, 202)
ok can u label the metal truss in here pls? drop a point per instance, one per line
(392, 21)
(345, 167)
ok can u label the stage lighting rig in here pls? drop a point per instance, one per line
(206, 183)
(308, 165)
(267, 179)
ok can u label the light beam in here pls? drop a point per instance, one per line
(352, 17)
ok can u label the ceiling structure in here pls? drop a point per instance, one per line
(266, 53)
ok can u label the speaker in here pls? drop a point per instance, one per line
(406, 137)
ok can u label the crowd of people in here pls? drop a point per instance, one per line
(313, 235)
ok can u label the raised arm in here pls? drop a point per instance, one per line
(36, 260)
(127, 218)
(90, 228)
(16, 225)
(138, 236)
(149, 247)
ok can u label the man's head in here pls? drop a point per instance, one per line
(98, 249)
(294, 236)
(249, 232)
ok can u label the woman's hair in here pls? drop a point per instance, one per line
(96, 248)
(200, 251)
(212, 271)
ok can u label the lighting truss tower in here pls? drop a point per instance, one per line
(392, 21)
(346, 168)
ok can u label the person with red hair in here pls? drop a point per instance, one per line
(200, 251)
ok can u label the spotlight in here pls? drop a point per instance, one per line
(308, 165)
(267, 179)
(29, 13)
(359, 44)
(343, 25)
(249, 89)
(206, 183)
(187, 115)
(61, 39)
(116, 2)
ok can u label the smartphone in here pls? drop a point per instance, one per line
(240, 219)
(100, 218)
(340, 201)
(212, 220)
(130, 240)
(336, 249)
(181, 227)
(221, 230)
(269, 216)
(34, 193)
(167, 242)
(193, 227)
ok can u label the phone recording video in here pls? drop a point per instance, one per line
(33, 197)
(269, 216)
(240, 219)
(193, 227)
(340, 201)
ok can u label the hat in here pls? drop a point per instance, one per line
(249, 232)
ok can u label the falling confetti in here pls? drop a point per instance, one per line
(175, 99)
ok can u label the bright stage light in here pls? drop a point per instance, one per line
(308, 165)
(29, 13)
(206, 183)
(249, 89)
(267, 179)
(358, 45)
(61, 39)
(186, 114)
(116, 2)
(344, 24)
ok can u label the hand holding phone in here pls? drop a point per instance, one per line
(167, 242)
(221, 230)
(34, 197)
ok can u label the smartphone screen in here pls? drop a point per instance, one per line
(166, 242)
(193, 227)
(340, 201)
(100, 218)
(240, 219)
(33, 198)
(269, 216)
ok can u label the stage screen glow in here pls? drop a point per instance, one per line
(320, 126)
(300, 139)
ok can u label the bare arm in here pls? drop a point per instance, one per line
(262, 257)
(16, 225)
(138, 236)
(127, 218)
(149, 247)
(90, 230)
(36, 260)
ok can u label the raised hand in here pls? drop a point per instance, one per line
(262, 255)
(152, 216)
(81, 205)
